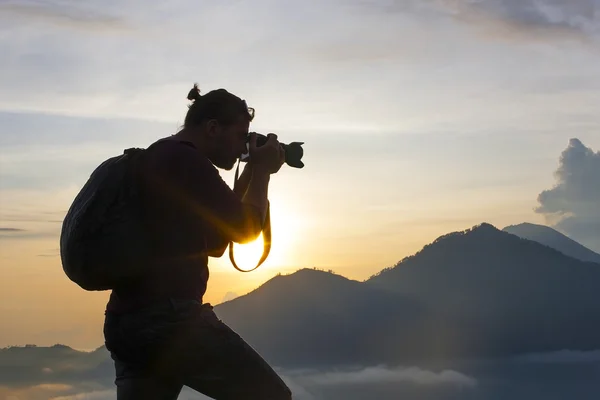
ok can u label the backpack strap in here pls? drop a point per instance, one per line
(266, 231)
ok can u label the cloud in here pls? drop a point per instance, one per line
(55, 391)
(60, 373)
(37, 213)
(146, 74)
(505, 19)
(96, 395)
(381, 374)
(18, 233)
(15, 233)
(50, 253)
(41, 391)
(573, 204)
(63, 14)
(561, 357)
(53, 387)
(34, 224)
(566, 16)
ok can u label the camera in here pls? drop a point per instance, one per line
(293, 151)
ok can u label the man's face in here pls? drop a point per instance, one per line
(230, 143)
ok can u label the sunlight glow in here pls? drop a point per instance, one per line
(247, 255)
(286, 231)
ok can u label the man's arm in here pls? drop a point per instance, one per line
(249, 188)
(195, 185)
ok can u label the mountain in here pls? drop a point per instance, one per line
(552, 238)
(312, 317)
(501, 294)
(476, 293)
(54, 364)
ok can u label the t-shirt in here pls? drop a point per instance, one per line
(190, 212)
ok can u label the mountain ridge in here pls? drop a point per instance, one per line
(554, 239)
(481, 291)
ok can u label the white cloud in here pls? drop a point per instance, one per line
(381, 374)
(573, 204)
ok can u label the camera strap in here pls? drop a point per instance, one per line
(266, 231)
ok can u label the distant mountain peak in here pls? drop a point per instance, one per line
(483, 231)
(486, 242)
(61, 346)
(309, 278)
(484, 234)
(314, 271)
(307, 273)
(527, 224)
(484, 225)
(533, 227)
(552, 238)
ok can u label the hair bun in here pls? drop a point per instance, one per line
(194, 93)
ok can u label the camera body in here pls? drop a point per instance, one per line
(293, 151)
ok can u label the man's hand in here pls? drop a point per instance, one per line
(269, 157)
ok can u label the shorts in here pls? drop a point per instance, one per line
(158, 350)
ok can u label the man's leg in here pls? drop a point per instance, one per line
(184, 343)
(217, 362)
(136, 378)
(134, 383)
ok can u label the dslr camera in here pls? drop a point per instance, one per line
(293, 151)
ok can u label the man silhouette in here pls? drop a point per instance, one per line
(160, 333)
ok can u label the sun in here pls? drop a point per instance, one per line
(285, 230)
(247, 255)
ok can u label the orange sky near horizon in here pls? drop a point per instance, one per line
(39, 305)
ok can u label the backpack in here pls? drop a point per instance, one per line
(103, 242)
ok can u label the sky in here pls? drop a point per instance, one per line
(419, 118)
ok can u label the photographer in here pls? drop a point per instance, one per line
(160, 333)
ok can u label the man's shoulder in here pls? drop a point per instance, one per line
(177, 161)
(169, 150)
(171, 144)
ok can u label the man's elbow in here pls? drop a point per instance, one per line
(249, 228)
(217, 252)
(240, 236)
(247, 235)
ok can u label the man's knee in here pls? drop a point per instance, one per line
(280, 391)
(284, 396)
(287, 395)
